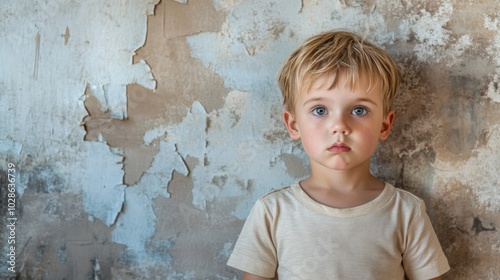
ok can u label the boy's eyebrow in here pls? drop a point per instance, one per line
(313, 100)
(367, 100)
(357, 100)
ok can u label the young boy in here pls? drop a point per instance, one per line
(341, 222)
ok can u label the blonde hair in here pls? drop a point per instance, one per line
(333, 53)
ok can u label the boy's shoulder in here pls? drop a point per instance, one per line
(278, 193)
(280, 196)
(406, 195)
(408, 202)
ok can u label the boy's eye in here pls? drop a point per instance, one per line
(359, 111)
(319, 111)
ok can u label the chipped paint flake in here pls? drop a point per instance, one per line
(103, 191)
(130, 227)
(157, 177)
(112, 96)
(190, 134)
(136, 225)
(98, 45)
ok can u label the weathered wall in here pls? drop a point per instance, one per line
(142, 132)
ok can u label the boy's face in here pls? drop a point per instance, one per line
(339, 127)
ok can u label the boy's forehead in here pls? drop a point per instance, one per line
(361, 83)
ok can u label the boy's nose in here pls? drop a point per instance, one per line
(340, 126)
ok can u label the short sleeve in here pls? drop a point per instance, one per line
(255, 251)
(423, 257)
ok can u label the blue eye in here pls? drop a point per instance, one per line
(359, 111)
(319, 111)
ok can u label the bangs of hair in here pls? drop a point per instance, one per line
(336, 53)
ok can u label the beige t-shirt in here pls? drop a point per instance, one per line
(290, 234)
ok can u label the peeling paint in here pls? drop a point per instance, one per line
(130, 227)
(190, 135)
(104, 193)
(112, 97)
(44, 110)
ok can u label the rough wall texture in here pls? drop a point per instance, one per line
(137, 135)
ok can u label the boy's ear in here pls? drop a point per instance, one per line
(291, 125)
(387, 126)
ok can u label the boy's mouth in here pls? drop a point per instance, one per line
(339, 148)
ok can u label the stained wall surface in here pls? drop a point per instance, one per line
(138, 134)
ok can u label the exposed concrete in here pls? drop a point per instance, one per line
(141, 141)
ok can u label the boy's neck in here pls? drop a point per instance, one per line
(342, 188)
(344, 181)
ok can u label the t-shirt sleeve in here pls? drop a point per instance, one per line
(423, 258)
(255, 250)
